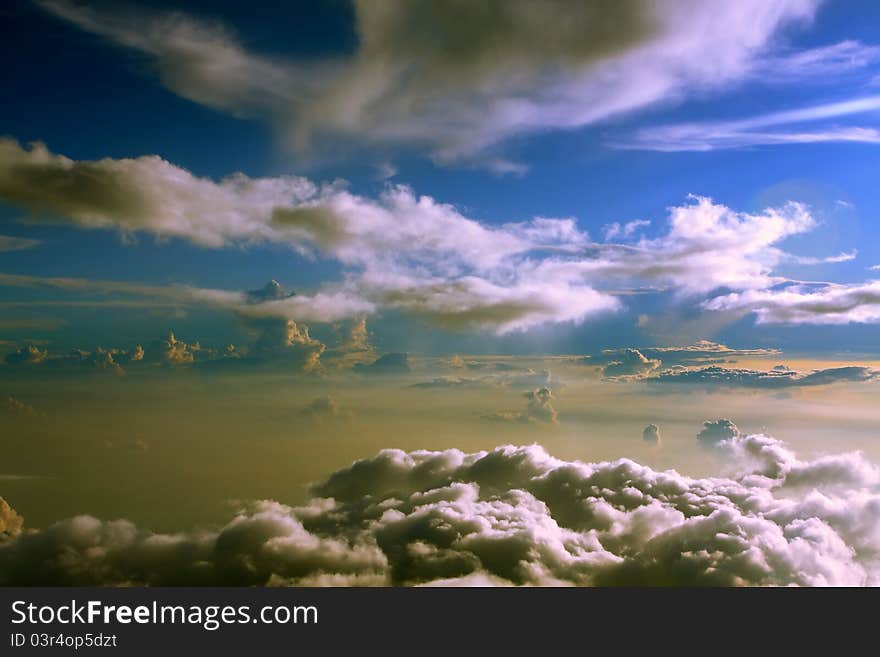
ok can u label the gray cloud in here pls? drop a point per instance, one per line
(8, 243)
(778, 377)
(703, 352)
(715, 432)
(479, 74)
(391, 363)
(651, 434)
(539, 408)
(624, 363)
(513, 515)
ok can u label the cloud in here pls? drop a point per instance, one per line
(716, 432)
(10, 521)
(323, 408)
(391, 363)
(623, 363)
(286, 342)
(823, 63)
(778, 377)
(479, 75)
(651, 434)
(512, 515)
(753, 131)
(399, 250)
(704, 352)
(617, 230)
(8, 243)
(15, 406)
(807, 304)
(539, 408)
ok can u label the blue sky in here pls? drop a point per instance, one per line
(78, 82)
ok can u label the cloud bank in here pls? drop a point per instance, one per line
(402, 251)
(513, 515)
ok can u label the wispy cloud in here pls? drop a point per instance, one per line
(753, 131)
(8, 243)
(480, 77)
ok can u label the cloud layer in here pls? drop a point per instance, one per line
(407, 252)
(514, 515)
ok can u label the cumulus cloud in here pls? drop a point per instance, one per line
(100, 359)
(624, 363)
(477, 76)
(539, 408)
(715, 432)
(651, 434)
(778, 377)
(400, 250)
(10, 521)
(513, 515)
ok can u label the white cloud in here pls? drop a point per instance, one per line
(399, 250)
(513, 515)
(806, 304)
(752, 131)
(617, 230)
(482, 74)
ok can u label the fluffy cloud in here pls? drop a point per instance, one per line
(513, 515)
(399, 250)
(456, 77)
(778, 377)
(615, 363)
(716, 432)
(539, 408)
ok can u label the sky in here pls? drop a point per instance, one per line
(243, 247)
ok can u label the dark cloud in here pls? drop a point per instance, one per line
(17, 407)
(717, 431)
(456, 77)
(651, 434)
(391, 363)
(513, 515)
(539, 408)
(271, 291)
(778, 377)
